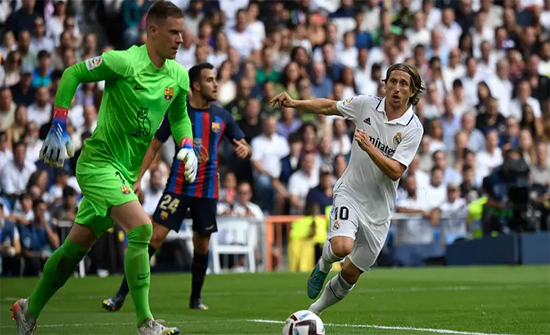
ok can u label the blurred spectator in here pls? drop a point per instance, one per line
(23, 19)
(267, 150)
(251, 124)
(452, 214)
(42, 75)
(11, 73)
(476, 139)
(28, 57)
(8, 45)
(244, 39)
(7, 109)
(290, 163)
(154, 192)
(17, 172)
(228, 191)
(413, 230)
(22, 213)
(6, 154)
(341, 144)
(435, 192)
(23, 92)
(66, 209)
(10, 246)
(321, 194)
(340, 165)
(236, 106)
(288, 123)
(540, 168)
(38, 240)
(40, 111)
(133, 14)
(491, 157)
(491, 119)
(242, 206)
(39, 41)
(301, 182)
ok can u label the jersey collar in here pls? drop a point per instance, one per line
(403, 120)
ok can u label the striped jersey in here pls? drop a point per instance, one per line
(209, 126)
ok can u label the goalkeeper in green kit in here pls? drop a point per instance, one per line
(141, 85)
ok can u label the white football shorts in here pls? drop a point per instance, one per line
(346, 219)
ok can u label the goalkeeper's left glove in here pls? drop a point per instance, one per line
(58, 139)
(187, 155)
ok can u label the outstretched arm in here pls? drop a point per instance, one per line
(315, 106)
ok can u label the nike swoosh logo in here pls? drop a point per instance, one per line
(142, 276)
(209, 228)
(137, 88)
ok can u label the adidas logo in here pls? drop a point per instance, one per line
(367, 121)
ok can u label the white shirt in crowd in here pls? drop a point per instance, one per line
(38, 115)
(453, 223)
(14, 181)
(486, 162)
(299, 185)
(151, 200)
(269, 152)
(416, 229)
(398, 139)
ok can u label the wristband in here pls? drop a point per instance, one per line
(60, 114)
(186, 143)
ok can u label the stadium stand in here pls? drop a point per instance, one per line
(483, 167)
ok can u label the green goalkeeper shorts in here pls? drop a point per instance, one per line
(102, 188)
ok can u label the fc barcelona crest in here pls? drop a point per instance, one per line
(164, 215)
(168, 93)
(215, 127)
(125, 190)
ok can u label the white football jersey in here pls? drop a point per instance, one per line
(373, 191)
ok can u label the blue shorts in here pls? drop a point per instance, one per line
(172, 209)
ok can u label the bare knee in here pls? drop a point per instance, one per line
(201, 243)
(341, 245)
(159, 235)
(350, 272)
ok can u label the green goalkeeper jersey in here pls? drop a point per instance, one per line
(137, 95)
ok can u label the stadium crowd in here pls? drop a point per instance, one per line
(486, 65)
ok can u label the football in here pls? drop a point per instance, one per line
(303, 323)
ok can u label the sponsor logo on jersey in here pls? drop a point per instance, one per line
(215, 127)
(348, 101)
(125, 189)
(384, 148)
(164, 215)
(94, 62)
(397, 139)
(168, 93)
(200, 151)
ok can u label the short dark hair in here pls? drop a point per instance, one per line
(68, 192)
(161, 10)
(37, 203)
(195, 72)
(43, 54)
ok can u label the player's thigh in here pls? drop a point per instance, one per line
(129, 215)
(203, 214)
(104, 192)
(159, 235)
(171, 211)
(344, 223)
(82, 235)
(370, 241)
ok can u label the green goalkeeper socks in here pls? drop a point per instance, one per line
(138, 270)
(59, 267)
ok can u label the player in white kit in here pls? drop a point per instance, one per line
(387, 137)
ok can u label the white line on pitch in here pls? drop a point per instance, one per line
(431, 330)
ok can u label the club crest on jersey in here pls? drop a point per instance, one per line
(348, 101)
(94, 62)
(164, 215)
(168, 93)
(125, 190)
(215, 127)
(336, 225)
(397, 139)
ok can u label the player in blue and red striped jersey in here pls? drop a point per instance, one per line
(210, 123)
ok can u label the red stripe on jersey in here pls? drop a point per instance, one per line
(216, 181)
(204, 157)
(179, 177)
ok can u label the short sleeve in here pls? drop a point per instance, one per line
(256, 145)
(163, 133)
(407, 149)
(351, 107)
(232, 129)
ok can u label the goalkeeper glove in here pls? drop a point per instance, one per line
(52, 149)
(187, 155)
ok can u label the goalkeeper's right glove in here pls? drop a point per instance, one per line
(187, 155)
(52, 149)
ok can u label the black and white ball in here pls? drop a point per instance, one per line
(303, 323)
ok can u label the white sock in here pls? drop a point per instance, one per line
(335, 290)
(327, 258)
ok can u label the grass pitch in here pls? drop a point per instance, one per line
(459, 300)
